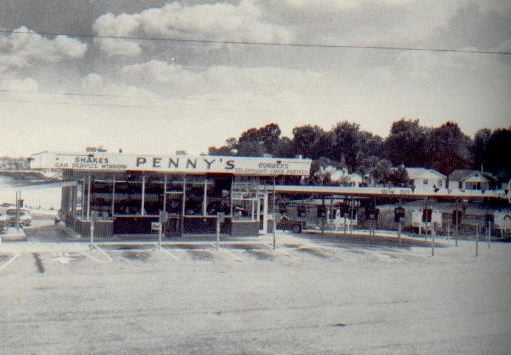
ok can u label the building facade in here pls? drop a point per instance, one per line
(126, 194)
(426, 180)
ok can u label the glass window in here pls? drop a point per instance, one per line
(218, 196)
(194, 188)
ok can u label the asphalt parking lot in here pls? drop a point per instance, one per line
(307, 296)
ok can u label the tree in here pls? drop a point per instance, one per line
(370, 145)
(497, 150)
(284, 148)
(398, 176)
(311, 141)
(229, 148)
(267, 137)
(318, 173)
(381, 171)
(479, 148)
(407, 144)
(450, 149)
(256, 142)
(346, 142)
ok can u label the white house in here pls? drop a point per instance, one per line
(342, 177)
(426, 180)
(471, 180)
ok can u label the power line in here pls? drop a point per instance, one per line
(143, 97)
(267, 44)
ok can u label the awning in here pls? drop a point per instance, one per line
(30, 185)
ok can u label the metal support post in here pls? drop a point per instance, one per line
(160, 230)
(17, 219)
(323, 218)
(92, 222)
(88, 196)
(489, 234)
(345, 225)
(456, 232)
(433, 243)
(274, 216)
(217, 231)
(477, 240)
(351, 219)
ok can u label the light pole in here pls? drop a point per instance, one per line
(274, 219)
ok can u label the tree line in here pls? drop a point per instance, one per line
(409, 144)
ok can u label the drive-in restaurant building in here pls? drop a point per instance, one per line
(127, 193)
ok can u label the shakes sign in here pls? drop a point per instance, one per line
(175, 163)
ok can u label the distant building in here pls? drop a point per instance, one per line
(471, 180)
(7, 163)
(426, 180)
(342, 177)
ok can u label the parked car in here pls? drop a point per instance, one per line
(25, 218)
(287, 223)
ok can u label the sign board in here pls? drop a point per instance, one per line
(427, 213)
(417, 218)
(503, 220)
(456, 217)
(163, 217)
(255, 166)
(399, 214)
(372, 213)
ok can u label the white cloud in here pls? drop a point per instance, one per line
(220, 21)
(117, 26)
(70, 47)
(111, 25)
(94, 83)
(157, 71)
(342, 5)
(505, 46)
(119, 47)
(23, 46)
(223, 79)
(20, 85)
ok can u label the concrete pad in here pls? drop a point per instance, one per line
(13, 234)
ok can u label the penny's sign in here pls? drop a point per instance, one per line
(174, 163)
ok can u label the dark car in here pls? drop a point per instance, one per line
(287, 223)
(25, 218)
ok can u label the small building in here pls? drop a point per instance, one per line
(471, 180)
(426, 180)
(127, 194)
(342, 177)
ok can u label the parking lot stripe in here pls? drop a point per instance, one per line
(285, 253)
(103, 252)
(236, 257)
(8, 262)
(91, 257)
(169, 254)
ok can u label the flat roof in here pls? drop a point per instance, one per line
(397, 192)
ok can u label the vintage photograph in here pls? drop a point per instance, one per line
(255, 177)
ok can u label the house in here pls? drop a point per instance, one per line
(342, 177)
(426, 180)
(471, 180)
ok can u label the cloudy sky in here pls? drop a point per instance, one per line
(156, 76)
